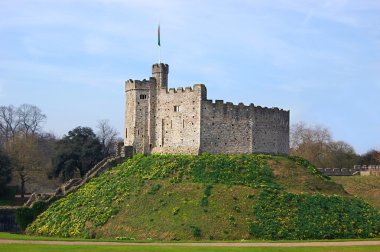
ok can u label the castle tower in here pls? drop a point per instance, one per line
(137, 114)
(160, 71)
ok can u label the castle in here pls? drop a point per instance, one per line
(184, 121)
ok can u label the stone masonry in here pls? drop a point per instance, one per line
(183, 121)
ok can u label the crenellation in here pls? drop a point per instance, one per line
(172, 90)
(183, 120)
(198, 88)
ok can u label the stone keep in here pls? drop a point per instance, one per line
(183, 121)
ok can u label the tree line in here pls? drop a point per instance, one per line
(25, 147)
(316, 144)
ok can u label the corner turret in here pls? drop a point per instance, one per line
(160, 71)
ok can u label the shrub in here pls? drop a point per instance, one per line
(196, 231)
(153, 190)
(207, 190)
(175, 210)
(204, 201)
(26, 215)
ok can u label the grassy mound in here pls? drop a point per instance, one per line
(365, 187)
(174, 197)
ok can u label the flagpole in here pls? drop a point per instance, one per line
(159, 43)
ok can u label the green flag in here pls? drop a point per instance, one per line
(158, 36)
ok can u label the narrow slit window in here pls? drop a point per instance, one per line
(126, 133)
(143, 96)
(176, 108)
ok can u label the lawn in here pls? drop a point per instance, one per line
(143, 248)
(95, 248)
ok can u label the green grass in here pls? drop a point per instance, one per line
(206, 197)
(365, 187)
(116, 248)
(13, 236)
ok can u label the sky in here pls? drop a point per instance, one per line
(320, 59)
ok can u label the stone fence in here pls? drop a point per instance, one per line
(339, 171)
(363, 170)
(74, 184)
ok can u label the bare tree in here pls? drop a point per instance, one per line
(31, 118)
(25, 157)
(19, 136)
(315, 143)
(9, 122)
(310, 142)
(372, 157)
(107, 136)
(342, 155)
(27, 119)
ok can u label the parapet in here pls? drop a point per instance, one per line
(138, 84)
(197, 88)
(160, 68)
(228, 109)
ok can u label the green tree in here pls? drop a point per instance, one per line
(79, 150)
(5, 171)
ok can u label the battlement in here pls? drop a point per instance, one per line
(197, 88)
(228, 108)
(139, 84)
(160, 68)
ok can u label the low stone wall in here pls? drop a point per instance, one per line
(362, 170)
(74, 184)
(339, 171)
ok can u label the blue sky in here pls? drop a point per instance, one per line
(318, 59)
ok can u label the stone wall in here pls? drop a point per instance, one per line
(226, 128)
(239, 129)
(177, 127)
(270, 130)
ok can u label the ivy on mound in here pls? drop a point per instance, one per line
(277, 214)
(287, 216)
(92, 205)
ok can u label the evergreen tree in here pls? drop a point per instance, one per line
(79, 151)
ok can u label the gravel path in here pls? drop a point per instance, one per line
(217, 244)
